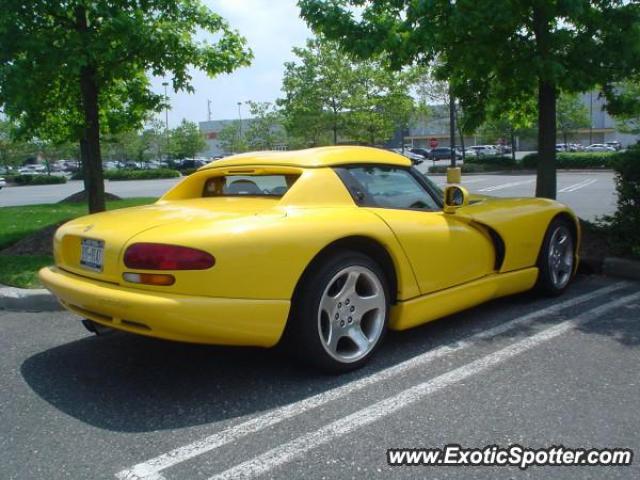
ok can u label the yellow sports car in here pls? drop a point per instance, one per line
(322, 249)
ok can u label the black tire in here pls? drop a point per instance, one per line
(303, 336)
(547, 283)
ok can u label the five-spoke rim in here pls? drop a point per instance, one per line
(352, 314)
(561, 256)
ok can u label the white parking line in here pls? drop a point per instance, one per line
(502, 186)
(149, 470)
(578, 186)
(299, 446)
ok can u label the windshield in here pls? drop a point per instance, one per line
(248, 185)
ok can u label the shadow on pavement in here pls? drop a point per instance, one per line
(128, 383)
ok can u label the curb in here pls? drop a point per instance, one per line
(27, 300)
(621, 267)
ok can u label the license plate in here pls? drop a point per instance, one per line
(92, 254)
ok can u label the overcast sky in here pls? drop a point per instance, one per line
(272, 28)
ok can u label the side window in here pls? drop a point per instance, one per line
(390, 187)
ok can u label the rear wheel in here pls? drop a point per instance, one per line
(340, 315)
(557, 258)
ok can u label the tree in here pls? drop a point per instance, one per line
(265, 130)
(571, 114)
(329, 95)
(11, 149)
(186, 140)
(232, 138)
(624, 105)
(69, 70)
(532, 47)
(316, 92)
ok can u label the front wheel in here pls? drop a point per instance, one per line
(557, 258)
(340, 314)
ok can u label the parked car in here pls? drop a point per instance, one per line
(191, 163)
(482, 150)
(313, 249)
(33, 170)
(423, 152)
(3, 183)
(614, 144)
(442, 153)
(599, 147)
(562, 147)
(502, 148)
(415, 158)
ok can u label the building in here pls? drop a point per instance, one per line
(603, 129)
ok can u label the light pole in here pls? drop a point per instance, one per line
(240, 117)
(591, 117)
(166, 105)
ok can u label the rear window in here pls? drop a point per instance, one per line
(248, 185)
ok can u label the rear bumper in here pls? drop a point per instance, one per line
(210, 320)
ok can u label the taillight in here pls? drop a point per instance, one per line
(159, 256)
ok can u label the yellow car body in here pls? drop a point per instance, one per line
(437, 263)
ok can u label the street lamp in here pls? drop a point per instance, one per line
(240, 117)
(166, 105)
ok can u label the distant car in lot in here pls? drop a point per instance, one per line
(562, 147)
(190, 163)
(502, 148)
(33, 170)
(423, 152)
(3, 183)
(414, 157)
(614, 144)
(482, 150)
(599, 147)
(443, 153)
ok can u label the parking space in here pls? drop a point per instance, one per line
(525, 369)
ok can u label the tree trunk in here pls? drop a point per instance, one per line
(546, 178)
(546, 175)
(92, 161)
(513, 144)
(90, 143)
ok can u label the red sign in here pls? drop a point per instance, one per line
(433, 143)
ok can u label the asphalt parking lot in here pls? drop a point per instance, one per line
(589, 193)
(528, 370)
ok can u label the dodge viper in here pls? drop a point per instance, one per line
(321, 250)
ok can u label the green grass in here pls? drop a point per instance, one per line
(18, 222)
(22, 270)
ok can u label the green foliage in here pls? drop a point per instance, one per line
(186, 141)
(624, 104)
(329, 96)
(265, 130)
(69, 70)
(496, 161)
(495, 52)
(149, 174)
(22, 270)
(624, 224)
(574, 160)
(232, 138)
(571, 114)
(465, 167)
(38, 179)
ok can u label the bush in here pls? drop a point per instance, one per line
(465, 167)
(624, 224)
(574, 160)
(140, 174)
(493, 161)
(38, 179)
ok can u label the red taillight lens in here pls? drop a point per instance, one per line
(158, 256)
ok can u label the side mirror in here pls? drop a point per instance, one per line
(455, 197)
